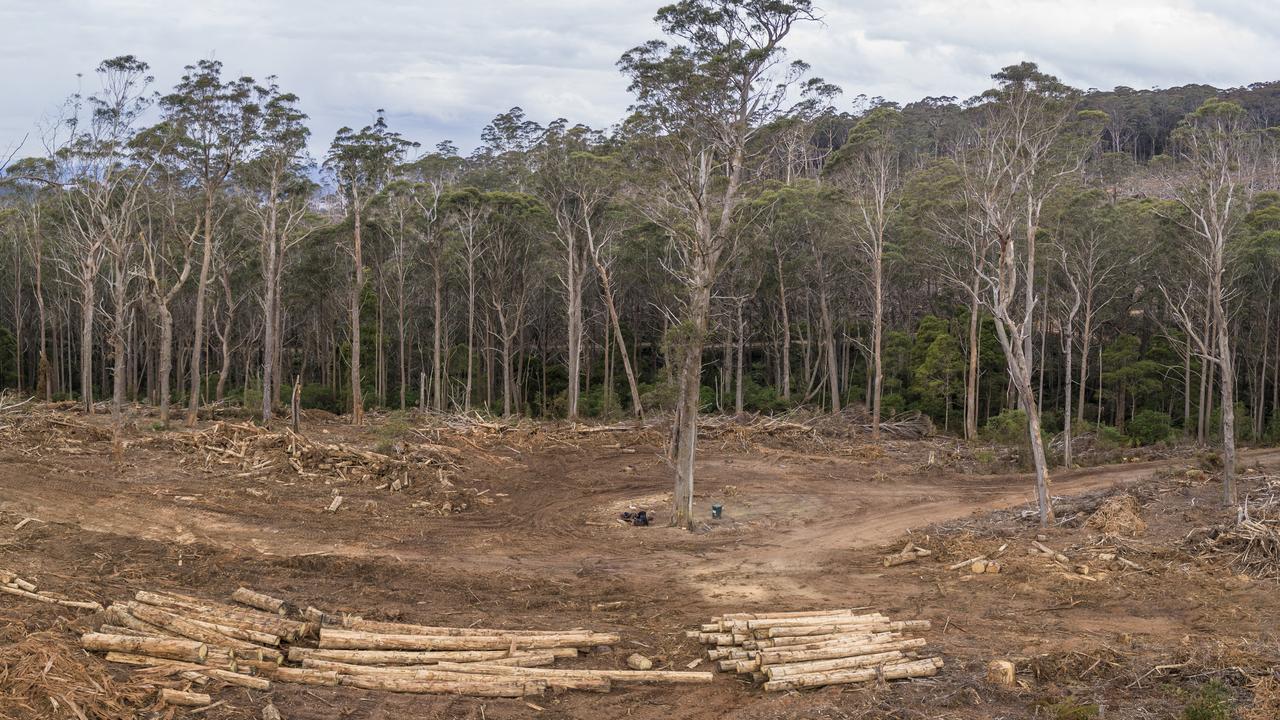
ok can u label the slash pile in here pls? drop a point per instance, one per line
(793, 650)
(198, 640)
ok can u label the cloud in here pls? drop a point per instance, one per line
(442, 69)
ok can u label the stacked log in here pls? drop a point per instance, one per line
(170, 634)
(814, 648)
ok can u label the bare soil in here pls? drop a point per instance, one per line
(540, 543)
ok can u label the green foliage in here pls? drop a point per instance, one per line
(1009, 427)
(1211, 701)
(1069, 709)
(659, 395)
(1148, 427)
(8, 366)
(316, 396)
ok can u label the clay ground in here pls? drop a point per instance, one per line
(538, 544)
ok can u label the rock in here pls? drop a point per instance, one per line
(636, 661)
(1001, 672)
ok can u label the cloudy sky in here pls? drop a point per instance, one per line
(443, 68)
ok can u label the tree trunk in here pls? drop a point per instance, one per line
(971, 382)
(877, 331)
(202, 287)
(685, 429)
(357, 291)
(437, 363)
(786, 328)
(88, 301)
(738, 395)
(166, 360)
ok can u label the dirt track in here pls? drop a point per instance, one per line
(801, 530)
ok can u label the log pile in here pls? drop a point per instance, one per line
(264, 640)
(793, 650)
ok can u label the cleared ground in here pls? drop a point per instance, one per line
(520, 530)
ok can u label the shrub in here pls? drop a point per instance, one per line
(1212, 701)
(1009, 427)
(1150, 426)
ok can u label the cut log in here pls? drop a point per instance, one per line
(178, 649)
(898, 671)
(122, 630)
(393, 628)
(223, 614)
(402, 657)
(80, 604)
(260, 601)
(803, 630)
(906, 557)
(813, 641)
(619, 676)
(812, 620)
(966, 563)
(304, 676)
(169, 696)
(978, 567)
(478, 688)
(636, 661)
(231, 678)
(436, 672)
(783, 657)
(198, 631)
(359, 640)
(777, 672)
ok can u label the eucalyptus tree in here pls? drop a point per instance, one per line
(102, 188)
(33, 179)
(1028, 139)
(213, 123)
(512, 231)
(278, 193)
(570, 182)
(1213, 184)
(869, 167)
(432, 175)
(362, 163)
(699, 102)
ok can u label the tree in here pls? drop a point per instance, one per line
(212, 124)
(102, 192)
(1213, 185)
(362, 163)
(277, 192)
(1028, 140)
(698, 104)
(870, 167)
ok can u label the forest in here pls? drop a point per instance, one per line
(747, 239)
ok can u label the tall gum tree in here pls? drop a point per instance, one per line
(1213, 184)
(699, 101)
(1028, 139)
(213, 122)
(362, 163)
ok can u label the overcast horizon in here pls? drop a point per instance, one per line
(442, 72)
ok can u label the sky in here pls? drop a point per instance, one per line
(442, 69)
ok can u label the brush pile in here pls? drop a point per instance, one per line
(1252, 545)
(257, 643)
(793, 650)
(250, 451)
(12, 584)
